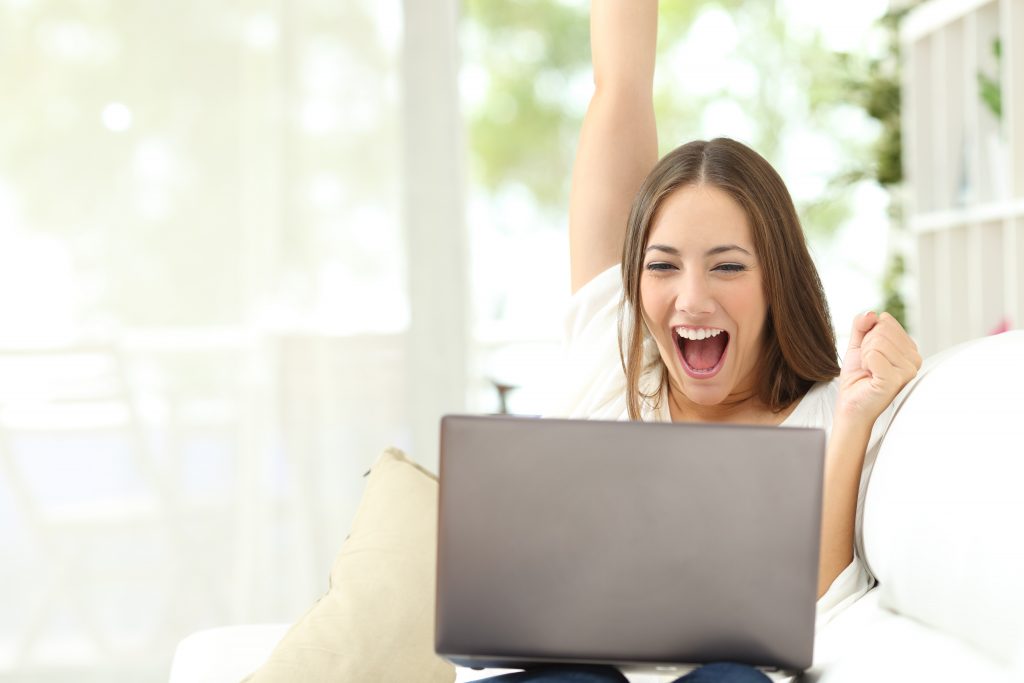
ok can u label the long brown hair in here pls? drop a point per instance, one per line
(799, 342)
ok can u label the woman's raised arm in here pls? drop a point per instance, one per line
(618, 143)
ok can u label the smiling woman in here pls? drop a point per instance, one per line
(728, 254)
(698, 264)
(713, 240)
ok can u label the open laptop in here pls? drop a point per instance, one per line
(649, 546)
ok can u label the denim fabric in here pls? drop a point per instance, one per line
(722, 672)
(564, 674)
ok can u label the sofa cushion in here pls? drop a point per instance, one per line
(376, 622)
(868, 642)
(943, 511)
(225, 654)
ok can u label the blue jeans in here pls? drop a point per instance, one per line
(711, 673)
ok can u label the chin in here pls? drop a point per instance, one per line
(704, 395)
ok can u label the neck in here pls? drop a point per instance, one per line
(739, 407)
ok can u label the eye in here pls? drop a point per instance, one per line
(659, 266)
(730, 267)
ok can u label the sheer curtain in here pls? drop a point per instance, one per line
(231, 256)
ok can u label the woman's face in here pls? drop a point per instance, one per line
(702, 296)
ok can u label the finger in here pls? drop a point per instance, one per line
(862, 324)
(889, 319)
(901, 351)
(887, 322)
(889, 328)
(896, 338)
(887, 361)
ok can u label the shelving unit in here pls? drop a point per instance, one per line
(965, 169)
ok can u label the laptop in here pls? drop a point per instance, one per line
(648, 546)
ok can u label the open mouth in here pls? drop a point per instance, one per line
(702, 350)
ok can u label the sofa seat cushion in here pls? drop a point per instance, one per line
(865, 643)
(868, 642)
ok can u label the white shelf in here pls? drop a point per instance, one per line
(964, 169)
(933, 16)
(981, 213)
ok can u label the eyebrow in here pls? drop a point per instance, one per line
(720, 249)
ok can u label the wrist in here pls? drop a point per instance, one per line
(851, 423)
(855, 413)
(849, 437)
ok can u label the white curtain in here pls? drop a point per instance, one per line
(213, 313)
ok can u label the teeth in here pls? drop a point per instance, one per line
(698, 333)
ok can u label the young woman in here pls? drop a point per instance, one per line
(695, 299)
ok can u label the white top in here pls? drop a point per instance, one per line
(594, 387)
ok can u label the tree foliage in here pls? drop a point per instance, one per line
(535, 54)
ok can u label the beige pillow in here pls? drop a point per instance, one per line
(376, 622)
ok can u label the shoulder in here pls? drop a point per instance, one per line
(596, 301)
(590, 382)
(824, 393)
(817, 406)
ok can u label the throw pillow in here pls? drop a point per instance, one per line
(376, 621)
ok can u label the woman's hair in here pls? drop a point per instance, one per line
(798, 341)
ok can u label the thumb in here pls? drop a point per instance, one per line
(862, 324)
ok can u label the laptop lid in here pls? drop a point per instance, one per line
(643, 545)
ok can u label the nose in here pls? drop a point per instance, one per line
(694, 297)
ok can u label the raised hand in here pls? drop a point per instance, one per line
(880, 360)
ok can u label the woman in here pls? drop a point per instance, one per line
(720, 312)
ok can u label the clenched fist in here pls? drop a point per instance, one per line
(880, 361)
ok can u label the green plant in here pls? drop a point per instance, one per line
(891, 282)
(990, 89)
(875, 86)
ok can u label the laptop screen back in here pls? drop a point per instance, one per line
(635, 544)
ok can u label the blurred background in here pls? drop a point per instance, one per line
(246, 245)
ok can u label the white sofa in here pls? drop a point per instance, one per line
(942, 527)
(943, 530)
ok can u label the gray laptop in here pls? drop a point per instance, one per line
(645, 545)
